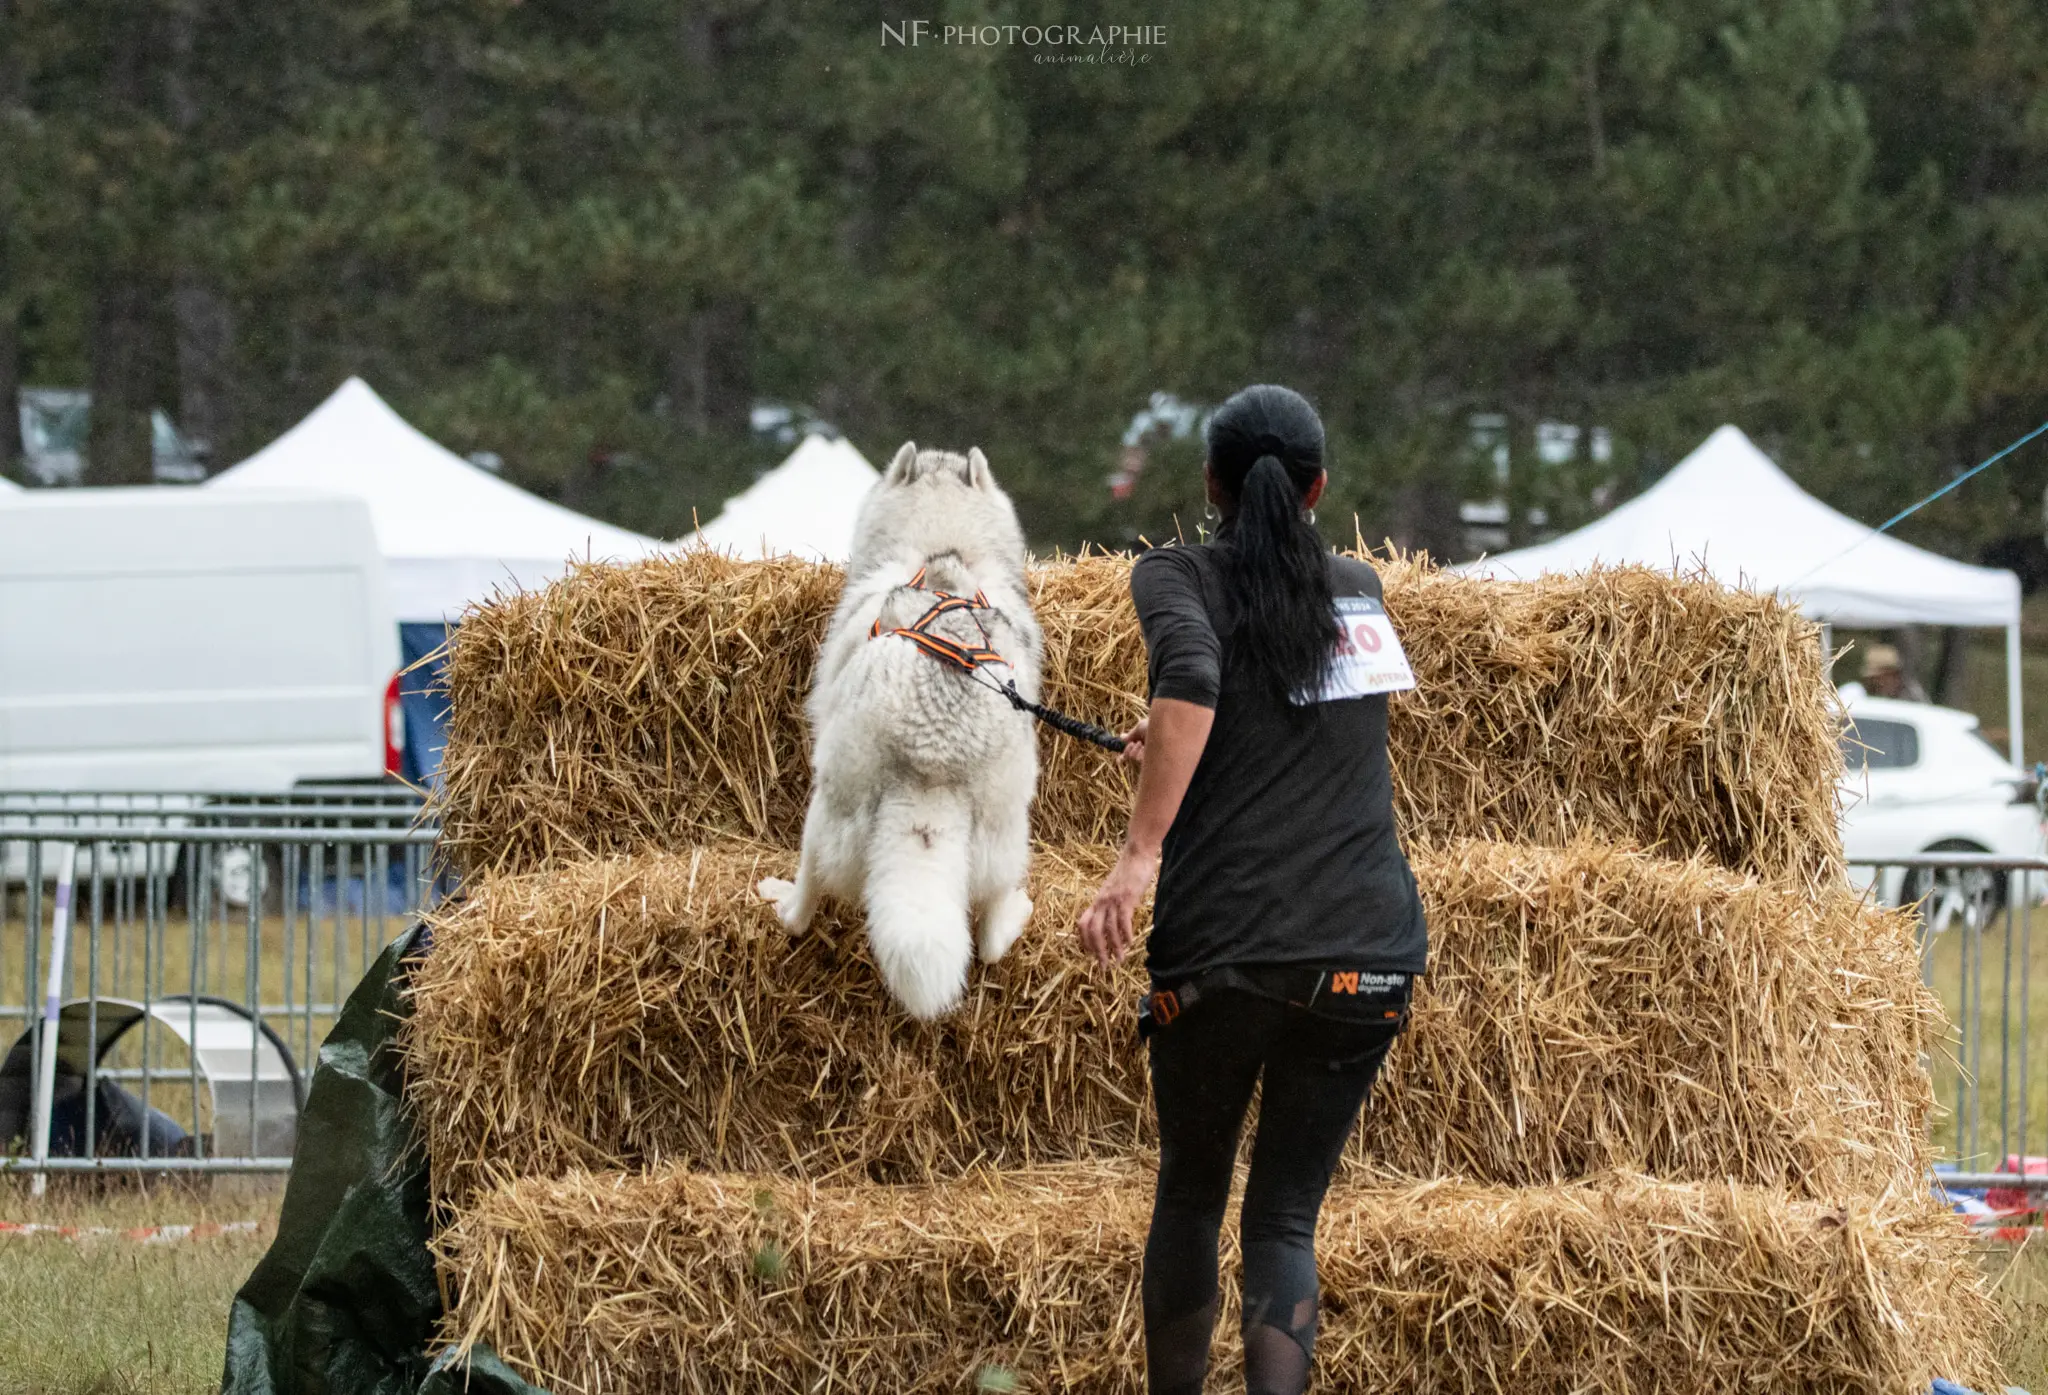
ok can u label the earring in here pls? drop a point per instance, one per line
(1311, 518)
(1209, 514)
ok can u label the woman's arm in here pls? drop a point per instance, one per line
(1176, 731)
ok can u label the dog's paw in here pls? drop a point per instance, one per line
(781, 894)
(1002, 925)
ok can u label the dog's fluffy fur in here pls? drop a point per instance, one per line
(922, 777)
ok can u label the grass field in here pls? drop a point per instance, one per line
(2021, 1275)
(110, 1316)
(1999, 1105)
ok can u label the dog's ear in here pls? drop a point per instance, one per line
(903, 467)
(978, 473)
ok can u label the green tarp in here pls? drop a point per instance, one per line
(345, 1303)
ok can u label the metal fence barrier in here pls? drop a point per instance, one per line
(179, 960)
(1976, 952)
(380, 799)
(306, 806)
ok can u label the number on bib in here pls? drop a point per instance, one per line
(1368, 657)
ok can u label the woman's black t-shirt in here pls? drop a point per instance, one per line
(1284, 851)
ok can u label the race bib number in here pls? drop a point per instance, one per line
(1369, 658)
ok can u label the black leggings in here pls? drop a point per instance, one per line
(1317, 1073)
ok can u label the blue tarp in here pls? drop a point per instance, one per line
(426, 714)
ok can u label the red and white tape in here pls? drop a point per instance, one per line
(144, 1235)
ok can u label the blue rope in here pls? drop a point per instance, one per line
(1907, 513)
(1978, 468)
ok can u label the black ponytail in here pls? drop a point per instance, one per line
(1266, 453)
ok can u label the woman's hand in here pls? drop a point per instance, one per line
(1105, 926)
(1134, 742)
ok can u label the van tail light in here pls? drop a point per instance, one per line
(394, 730)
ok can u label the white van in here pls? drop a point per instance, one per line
(174, 639)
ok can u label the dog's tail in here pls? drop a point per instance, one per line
(917, 898)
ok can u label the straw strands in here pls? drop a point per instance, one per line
(677, 1281)
(634, 1010)
(658, 704)
(628, 706)
(1587, 1008)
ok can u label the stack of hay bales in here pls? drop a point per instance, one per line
(1659, 1125)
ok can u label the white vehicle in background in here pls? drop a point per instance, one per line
(165, 639)
(1921, 779)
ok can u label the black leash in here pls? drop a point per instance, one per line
(1060, 721)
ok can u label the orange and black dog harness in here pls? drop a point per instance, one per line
(971, 659)
(965, 657)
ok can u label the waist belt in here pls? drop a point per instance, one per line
(1350, 995)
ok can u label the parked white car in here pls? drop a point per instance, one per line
(1922, 779)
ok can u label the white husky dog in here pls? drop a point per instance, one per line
(922, 775)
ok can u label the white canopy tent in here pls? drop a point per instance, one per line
(1729, 508)
(804, 507)
(8, 486)
(451, 532)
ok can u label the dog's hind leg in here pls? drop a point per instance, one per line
(796, 902)
(1002, 857)
(917, 899)
(1003, 922)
